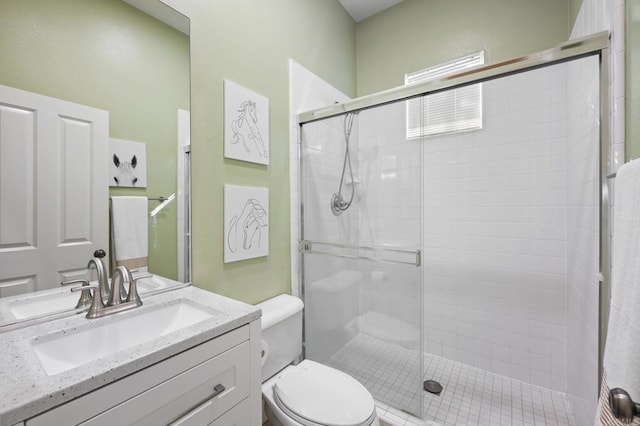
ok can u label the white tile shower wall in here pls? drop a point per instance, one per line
(390, 216)
(582, 297)
(307, 91)
(390, 170)
(495, 234)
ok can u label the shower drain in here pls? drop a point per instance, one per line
(432, 386)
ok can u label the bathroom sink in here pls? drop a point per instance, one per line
(62, 299)
(75, 347)
(155, 282)
(43, 304)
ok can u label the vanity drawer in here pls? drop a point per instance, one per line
(227, 373)
(240, 415)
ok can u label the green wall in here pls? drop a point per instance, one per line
(632, 110)
(250, 42)
(108, 55)
(416, 34)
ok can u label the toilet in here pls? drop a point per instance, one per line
(310, 393)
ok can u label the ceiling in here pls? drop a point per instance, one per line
(358, 9)
(163, 13)
(362, 9)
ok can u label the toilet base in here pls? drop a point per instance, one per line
(276, 416)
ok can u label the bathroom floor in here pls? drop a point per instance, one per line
(470, 396)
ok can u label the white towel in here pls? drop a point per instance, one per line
(622, 350)
(130, 231)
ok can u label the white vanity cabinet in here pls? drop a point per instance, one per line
(214, 383)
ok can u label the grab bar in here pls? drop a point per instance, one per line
(373, 252)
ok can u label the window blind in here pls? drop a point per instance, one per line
(454, 110)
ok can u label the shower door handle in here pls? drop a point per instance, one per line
(391, 255)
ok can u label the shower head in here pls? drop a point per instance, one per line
(622, 407)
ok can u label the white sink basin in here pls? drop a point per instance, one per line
(63, 300)
(37, 305)
(67, 349)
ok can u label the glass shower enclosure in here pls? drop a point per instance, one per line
(478, 249)
(361, 204)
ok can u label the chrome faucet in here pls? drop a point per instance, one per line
(118, 299)
(120, 275)
(103, 280)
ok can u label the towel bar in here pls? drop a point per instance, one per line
(159, 199)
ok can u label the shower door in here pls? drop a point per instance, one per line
(361, 276)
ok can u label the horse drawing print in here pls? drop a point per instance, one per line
(245, 229)
(245, 128)
(125, 175)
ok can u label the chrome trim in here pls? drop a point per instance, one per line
(307, 247)
(570, 50)
(605, 224)
(301, 270)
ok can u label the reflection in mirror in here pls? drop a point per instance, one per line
(102, 55)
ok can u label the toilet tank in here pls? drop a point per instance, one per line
(281, 333)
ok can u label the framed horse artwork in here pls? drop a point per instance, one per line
(246, 124)
(246, 222)
(127, 163)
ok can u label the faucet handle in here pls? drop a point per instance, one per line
(84, 287)
(83, 282)
(96, 304)
(142, 276)
(85, 297)
(133, 289)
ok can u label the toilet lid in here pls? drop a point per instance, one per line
(323, 395)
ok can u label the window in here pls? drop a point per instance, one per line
(455, 110)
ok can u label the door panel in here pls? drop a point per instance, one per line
(75, 145)
(17, 178)
(53, 189)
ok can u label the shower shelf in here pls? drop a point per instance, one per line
(382, 254)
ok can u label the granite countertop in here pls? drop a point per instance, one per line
(27, 390)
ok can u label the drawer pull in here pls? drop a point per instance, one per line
(217, 390)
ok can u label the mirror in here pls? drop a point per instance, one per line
(114, 56)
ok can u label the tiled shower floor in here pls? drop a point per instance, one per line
(470, 396)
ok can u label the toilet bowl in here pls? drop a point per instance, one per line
(310, 393)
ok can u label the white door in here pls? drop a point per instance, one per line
(53, 189)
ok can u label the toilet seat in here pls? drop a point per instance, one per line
(314, 394)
